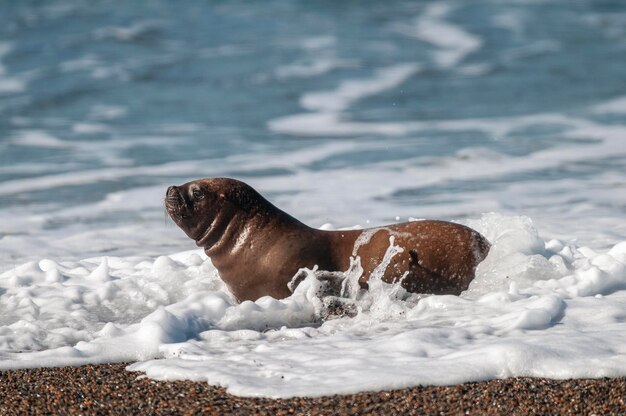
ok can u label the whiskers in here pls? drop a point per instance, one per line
(172, 206)
(166, 213)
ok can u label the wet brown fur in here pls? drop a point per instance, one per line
(257, 248)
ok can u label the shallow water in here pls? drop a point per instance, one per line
(507, 116)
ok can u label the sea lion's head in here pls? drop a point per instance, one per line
(205, 207)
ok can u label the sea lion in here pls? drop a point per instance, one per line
(257, 248)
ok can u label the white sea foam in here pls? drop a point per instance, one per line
(192, 169)
(87, 62)
(89, 128)
(9, 85)
(556, 205)
(312, 194)
(608, 143)
(351, 91)
(537, 48)
(321, 58)
(332, 124)
(130, 33)
(616, 106)
(107, 112)
(512, 21)
(5, 48)
(39, 138)
(314, 67)
(453, 43)
(108, 152)
(329, 105)
(475, 70)
(319, 42)
(532, 310)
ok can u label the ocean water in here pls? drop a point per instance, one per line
(508, 116)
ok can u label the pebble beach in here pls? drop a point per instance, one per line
(110, 389)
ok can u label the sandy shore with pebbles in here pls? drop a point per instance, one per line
(110, 389)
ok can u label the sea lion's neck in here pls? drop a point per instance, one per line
(234, 236)
(214, 232)
(224, 236)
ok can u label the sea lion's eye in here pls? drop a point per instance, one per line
(197, 194)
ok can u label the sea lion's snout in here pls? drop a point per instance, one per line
(171, 193)
(174, 202)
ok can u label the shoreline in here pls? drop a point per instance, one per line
(110, 389)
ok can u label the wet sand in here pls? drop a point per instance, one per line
(110, 389)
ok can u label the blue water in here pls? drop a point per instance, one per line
(102, 98)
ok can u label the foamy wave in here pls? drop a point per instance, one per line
(539, 47)
(89, 128)
(381, 190)
(12, 86)
(132, 33)
(173, 313)
(9, 85)
(453, 43)
(321, 59)
(332, 124)
(86, 63)
(328, 106)
(349, 92)
(311, 68)
(107, 112)
(39, 138)
(616, 106)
